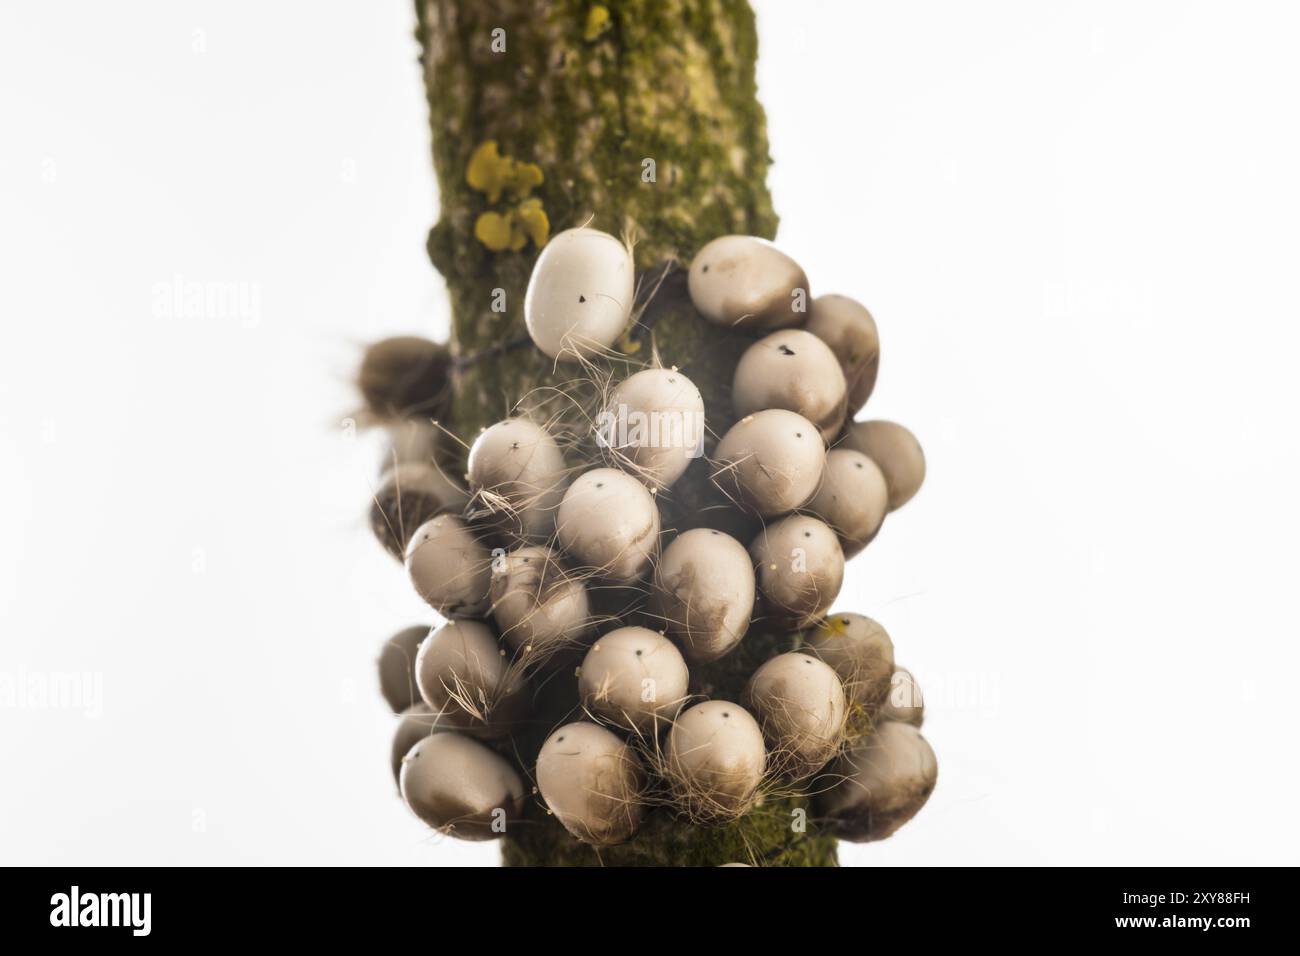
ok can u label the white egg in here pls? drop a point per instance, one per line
(653, 425)
(852, 499)
(896, 451)
(904, 701)
(537, 604)
(449, 567)
(580, 294)
(800, 704)
(518, 475)
(800, 568)
(462, 674)
(850, 331)
(744, 282)
(861, 652)
(609, 524)
(635, 679)
(461, 788)
(879, 784)
(409, 494)
(714, 761)
(592, 781)
(704, 592)
(794, 370)
(771, 461)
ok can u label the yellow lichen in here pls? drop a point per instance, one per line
(512, 229)
(493, 230)
(492, 174)
(597, 22)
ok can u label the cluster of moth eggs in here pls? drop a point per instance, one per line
(822, 489)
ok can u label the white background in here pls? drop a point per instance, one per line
(1076, 224)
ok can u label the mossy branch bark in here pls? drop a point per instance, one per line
(588, 100)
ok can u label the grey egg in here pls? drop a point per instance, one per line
(609, 524)
(418, 721)
(449, 566)
(853, 498)
(744, 282)
(799, 566)
(878, 785)
(653, 425)
(635, 679)
(850, 331)
(461, 788)
(794, 370)
(704, 592)
(537, 604)
(714, 761)
(397, 667)
(800, 704)
(861, 652)
(462, 673)
(896, 451)
(517, 475)
(771, 461)
(405, 376)
(593, 782)
(409, 494)
(904, 701)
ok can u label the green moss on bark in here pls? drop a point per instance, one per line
(671, 81)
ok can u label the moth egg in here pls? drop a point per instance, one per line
(609, 523)
(879, 784)
(794, 370)
(538, 605)
(405, 376)
(861, 652)
(850, 331)
(744, 282)
(461, 788)
(580, 294)
(634, 678)
(800, 704)
(517, 474)
(409, 494)
(715, 759)
(418, 721)
(449, 567)
(904, 701)
(896, 451)
(770, 461)
(653, 425)
(397, 667)
(462, 674)
(853, 498)
(704, 592)
(799, 566)
(593, 782)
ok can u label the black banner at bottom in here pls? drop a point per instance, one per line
(867, 907)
